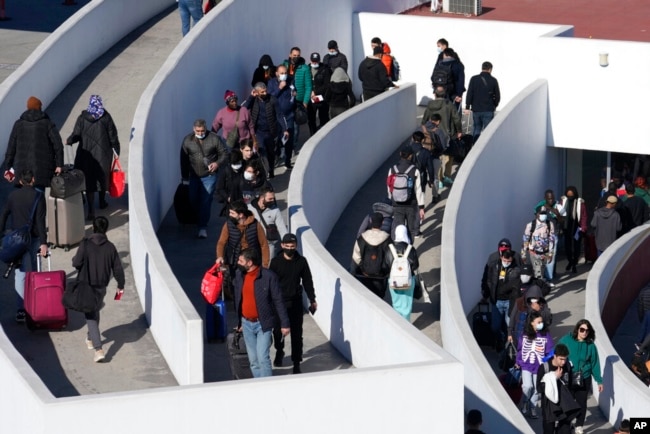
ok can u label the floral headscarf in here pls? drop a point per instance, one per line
(95, 106)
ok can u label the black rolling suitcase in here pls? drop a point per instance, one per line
(482, 326)
(182, 207)
(238, 357)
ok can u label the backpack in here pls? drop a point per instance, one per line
(442, 76)
(400, 277)
(396, 73)
(401, 184)
(432, 140)
(372, 258)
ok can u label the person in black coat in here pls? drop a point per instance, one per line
(264, 71)
(102, 261)
(339, 94)
(34, 144)
(372, 74)
(228, 181)
(97, 136)
(483, 97)
(19, 206)
(321, 75)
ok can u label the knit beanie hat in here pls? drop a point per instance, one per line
(229, 95)
(34, 103)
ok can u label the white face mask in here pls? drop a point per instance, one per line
(542, 218)
(199, 136)
(235, 167)
(334, 53)
(314, 65)
(282, 77)
(265, 67)
(539, 326)
(505, 264)
(525, 278)
(248, 176)
(439, 50)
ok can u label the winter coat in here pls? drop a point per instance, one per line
(339, 91)
(294, 275)
(483, 94)
(371, 237)
(578, 214)
(510, 284)
(35, 144)
(301, 79)
(97, 138)
(271, 310)
(521, 310)
(103, 261)
(373, 77)
(19, 205)
(450, 122)
(261, 75)
(321, 79)
(195, 157)
(339, 60)
(607, 222)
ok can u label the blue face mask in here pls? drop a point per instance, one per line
(542, 218)
(539, 326)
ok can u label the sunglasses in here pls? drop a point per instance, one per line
(583, 330)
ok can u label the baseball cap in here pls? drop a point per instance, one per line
(332, 45)
(612, 199)
(406, 150)
(315, 57)
(289, 238)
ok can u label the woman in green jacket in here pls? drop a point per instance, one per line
(583, 356)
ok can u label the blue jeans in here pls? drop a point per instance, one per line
(529, 387)
(550, 265)
(499, 313)
(266, 144)
(481, 120)
(189, 9)
(258, 347)
(201, 193)
(28, 263)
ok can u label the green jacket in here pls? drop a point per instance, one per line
(450, 122)
(583, 356)
(301, 80)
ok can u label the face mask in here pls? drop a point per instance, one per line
(505, 264)
(289, 252)
(542, 218)
(199, 136)
(248, 176)
(235, 167)
(270, 204)
(283, 77)
(439, 50)
(235, 220)
(539, 326)
(265, 67)
(525, 278)
(333, 53)
(314, 65)
(242, 268)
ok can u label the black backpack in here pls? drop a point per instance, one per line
(372, 258)
(442, 76)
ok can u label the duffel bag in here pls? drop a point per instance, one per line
(68, 183)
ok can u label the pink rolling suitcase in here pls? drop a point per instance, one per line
(43, 293)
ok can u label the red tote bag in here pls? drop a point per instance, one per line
(211, 284)
(118, 178)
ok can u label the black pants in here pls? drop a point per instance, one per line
(563, 427)
(580, 394)
(572, 246)
(408, 215)
(295, 312)
(377, 286)
(323, 116)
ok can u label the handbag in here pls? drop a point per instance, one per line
(233, 136)
(508, 357)
(15, 243)
(513, 377)
(118, 178)
(80, 294)
(576, 377)
(300, 115)
(211, 284)
(67, 183)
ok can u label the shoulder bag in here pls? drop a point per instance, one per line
(16, 242)
(233, 136)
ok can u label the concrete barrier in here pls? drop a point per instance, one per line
(613, 284)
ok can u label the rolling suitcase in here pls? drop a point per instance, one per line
(216, 328)
(239, 364)
(43, 294)
(65, 221)
(482, 326)
(591, 252)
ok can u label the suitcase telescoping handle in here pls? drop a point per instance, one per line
(39, 258)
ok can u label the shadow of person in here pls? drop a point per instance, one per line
(123, 334)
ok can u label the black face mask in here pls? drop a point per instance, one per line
(265, 97)
(242, 268)
(235, 220)
(270, 204)
(289, 252)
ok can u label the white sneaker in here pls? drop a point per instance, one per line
(441, 185)
(578, 430)
(99, 356)
(203, 233)
(89, 344)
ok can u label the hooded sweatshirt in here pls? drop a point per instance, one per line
(339, 91)
(103, 260)
(373, 76)
(607, 222)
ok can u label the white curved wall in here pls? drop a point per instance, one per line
(518, 134)
(623, 396)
